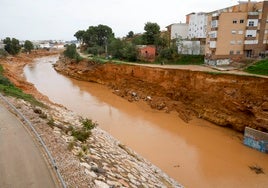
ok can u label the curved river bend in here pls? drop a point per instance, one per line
(198, 154)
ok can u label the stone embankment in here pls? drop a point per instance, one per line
(101, 161)
(228, 100)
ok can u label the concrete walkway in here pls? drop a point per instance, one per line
(21, 162)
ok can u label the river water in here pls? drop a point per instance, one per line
(197, 154)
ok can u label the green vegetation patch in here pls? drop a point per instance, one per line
(177, 59)
(83, 133)
(7, 88)
(261, 68)
(72, 53)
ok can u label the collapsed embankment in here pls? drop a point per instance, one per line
(228, 100)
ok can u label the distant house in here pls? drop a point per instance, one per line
(146, 53)
(44, 45)
(58, 46)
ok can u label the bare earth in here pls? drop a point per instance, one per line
(21, 162)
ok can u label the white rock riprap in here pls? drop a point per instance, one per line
(101, 161)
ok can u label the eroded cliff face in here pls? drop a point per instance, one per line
(227, 100)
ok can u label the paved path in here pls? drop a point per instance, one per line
(21, 162)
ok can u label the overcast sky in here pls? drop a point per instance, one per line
(60, 19)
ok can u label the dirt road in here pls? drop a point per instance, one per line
(21, 162)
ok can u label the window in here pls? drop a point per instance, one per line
(232, 42)
(234, 21)
(241, 21)
(214, 23)
(237, 52)
(213, 34)
(233, 31)
(212, 44)
(239, 42)
(240, 32)
(251, 33)
(251, 23)
(231, 52)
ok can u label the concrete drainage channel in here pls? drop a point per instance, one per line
(52, 161)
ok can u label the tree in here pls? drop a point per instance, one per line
(96, 38)
(115, 48)
(137, 40)
(80, 36)
(28, 46)
(130, 34)
(72, 53)
(12, 46)
(98, 35)
(152, 33)
(129, 52)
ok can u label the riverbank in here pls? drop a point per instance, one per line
(227, 100)
(99, 162)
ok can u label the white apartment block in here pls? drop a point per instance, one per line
(178, 30)
(197, 25)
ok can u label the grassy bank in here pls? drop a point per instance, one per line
(260, 68)
(7, 88)
(187, 60)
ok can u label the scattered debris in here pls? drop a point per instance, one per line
(257, 169)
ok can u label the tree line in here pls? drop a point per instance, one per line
(13, 47)
(100, 40)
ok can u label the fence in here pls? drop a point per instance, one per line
(256, 139)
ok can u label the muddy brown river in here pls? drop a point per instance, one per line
(197, 154)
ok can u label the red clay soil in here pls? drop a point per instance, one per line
(13, 70)
(227, 100)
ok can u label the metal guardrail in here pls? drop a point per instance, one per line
(39, 139)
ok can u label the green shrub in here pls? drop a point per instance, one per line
(72, 53)
(84, 148)
(51, 122)
(88, 124)
(81, 135)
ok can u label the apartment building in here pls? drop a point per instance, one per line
(237, 32)
(177, 30)
(197, 25)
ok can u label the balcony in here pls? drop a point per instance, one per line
(213, 39)
(214, 29)
(249, 38)
(250, 42)
(253, 15)
(251, 28)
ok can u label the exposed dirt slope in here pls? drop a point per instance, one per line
(14, 65)
(228, 100)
